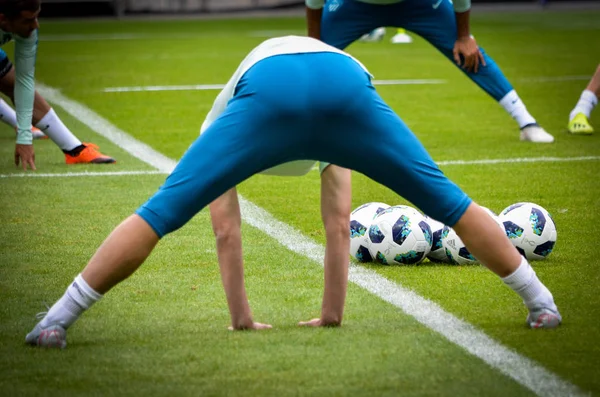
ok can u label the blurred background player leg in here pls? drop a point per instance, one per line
(50, 124)
(579, 118)
(9, 116)
(373, 36)
(401, 37)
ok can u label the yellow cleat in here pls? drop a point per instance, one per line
(580, 125)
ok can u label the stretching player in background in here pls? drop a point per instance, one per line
(579, 122)
(294, 98)
(443, 23)
(18, 22)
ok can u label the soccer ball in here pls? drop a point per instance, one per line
(437, 253)
(455, 249)
(530, 228)
(400, 235)
(360, 221)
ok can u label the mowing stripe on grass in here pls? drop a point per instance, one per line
(523, 370)
(84, 173)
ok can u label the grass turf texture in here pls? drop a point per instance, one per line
(163, 331)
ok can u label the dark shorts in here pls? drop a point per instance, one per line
(5, 64)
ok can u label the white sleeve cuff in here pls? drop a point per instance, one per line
(314, 4)
(462, 5)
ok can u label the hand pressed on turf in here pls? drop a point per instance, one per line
(317, 322)
(253, 325)
(25, 155)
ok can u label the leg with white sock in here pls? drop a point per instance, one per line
(439, 27)
(59, 134)
(579, 117)
(51, 125)
(530, 129)
(489, 244)
(121, 254)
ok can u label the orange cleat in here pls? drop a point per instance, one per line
(89, 155)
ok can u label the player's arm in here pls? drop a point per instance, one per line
(314, 11)
(465, 45)
(336, 197)
(227, 222)
(25, 54)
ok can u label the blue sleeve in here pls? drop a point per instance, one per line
(25, 54)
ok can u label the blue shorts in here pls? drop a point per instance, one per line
(345, 21)
(310, 106)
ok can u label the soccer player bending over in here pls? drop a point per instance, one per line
(19, 22)
(445, 24)
(294, 98)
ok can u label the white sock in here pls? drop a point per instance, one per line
(525, 282)
(516, 108)
(52, 126)
(586, 104)
(78, 298)
(7, 114)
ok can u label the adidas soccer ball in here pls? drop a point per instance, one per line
(437, 253)
(455, 249)
(530, 228)
(360, 221)
(400, 235)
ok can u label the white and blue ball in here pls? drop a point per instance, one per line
(437, 253)
(530, 228)
(399, 235)
(360, 222)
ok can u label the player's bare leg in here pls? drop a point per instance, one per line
(489, 244)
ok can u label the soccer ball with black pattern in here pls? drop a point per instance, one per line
(400, 235)
(437, 253)
(360, 221)
(530, 228)
(455, 249)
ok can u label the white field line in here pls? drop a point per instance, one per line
(442, 163)
(202, 87)
(149, 88)
(105, 128)
(128, 36)
(523, 370)
(519, 160)
(79, 174)
(509, 161)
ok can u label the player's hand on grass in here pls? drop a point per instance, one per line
(469, 50)
(317, 322)
(253, 325)
(25, 155)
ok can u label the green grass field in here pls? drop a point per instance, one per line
(164, 330)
